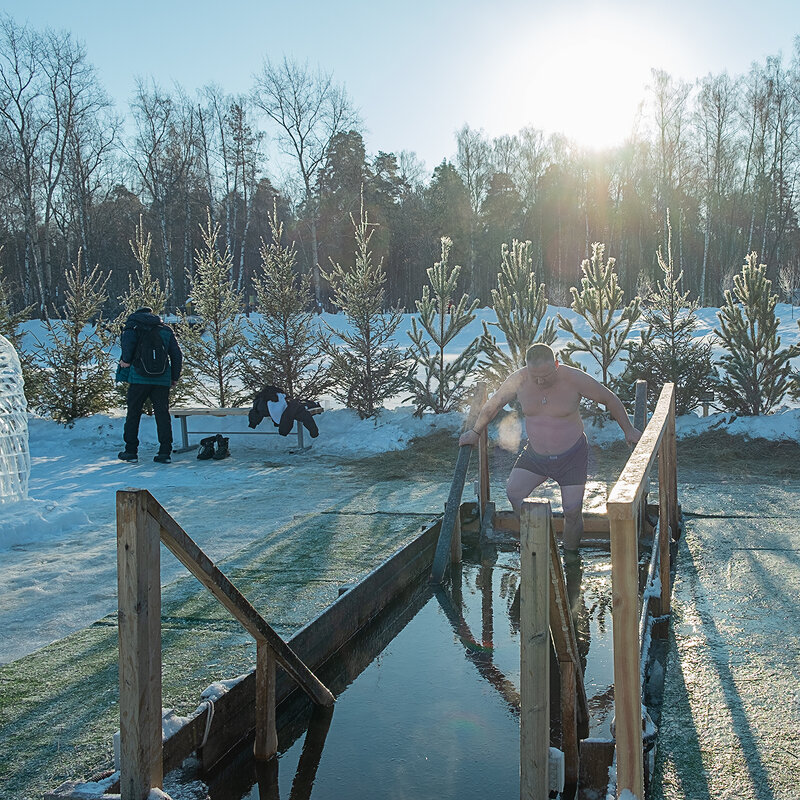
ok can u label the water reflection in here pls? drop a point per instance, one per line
(267, 771)
(431, 707)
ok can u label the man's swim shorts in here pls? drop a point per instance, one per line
(566, 469)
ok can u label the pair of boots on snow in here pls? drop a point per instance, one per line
(215, 447)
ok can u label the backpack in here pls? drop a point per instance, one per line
(150, 356)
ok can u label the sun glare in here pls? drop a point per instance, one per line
(585, 77)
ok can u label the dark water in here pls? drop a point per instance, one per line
(434, 712)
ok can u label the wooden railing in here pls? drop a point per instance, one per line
(142, 523)
(540, 609)
(625, 507)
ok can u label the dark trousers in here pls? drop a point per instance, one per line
(159, 396)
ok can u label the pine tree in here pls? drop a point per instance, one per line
(368, 368)
(75, 364)
(443, 386)
(520, 305)
(598, 300)
(144, 289)
(757, 372)
(284, 347)
(666, 351)
(212, 354)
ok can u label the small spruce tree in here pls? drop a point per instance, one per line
(667, 351)
(211, 351)
(144, 289)
(757, 372)
(284, 347)
(520, 305)
(75, 363)
(598, 300)
(366, 366)
(442, 387)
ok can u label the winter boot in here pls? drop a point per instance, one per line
(126, 456)
(206, 450)
(222, 448)
(162, 458)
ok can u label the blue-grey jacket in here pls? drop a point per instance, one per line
(144, 319)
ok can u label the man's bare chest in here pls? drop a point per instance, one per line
(548, 401)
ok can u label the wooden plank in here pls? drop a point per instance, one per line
(629, 488)
(442, 557)
(562, 631)
(139, 603)
(569, 726)
(204, 569)
(265, 745)
(664, 536)
(627, 687)
(534, 649)
(223, 412)
(592, 523)
(455, 542)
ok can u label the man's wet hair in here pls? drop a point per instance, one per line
(540, 354)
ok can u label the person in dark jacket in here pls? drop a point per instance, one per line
(143, 386)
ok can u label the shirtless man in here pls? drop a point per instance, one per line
(549, 394)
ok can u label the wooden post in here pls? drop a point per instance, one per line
(266, 741)
(627, 687)
(139, 604)
(535, 520)
(484, 494)
(664, 538)
(569, 724)
(640, 409)
(441, 558)
(455, 542)
(672, 444)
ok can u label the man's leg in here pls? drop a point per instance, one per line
(137, 394)
(520, 484)
(160, 397)
(572, 504)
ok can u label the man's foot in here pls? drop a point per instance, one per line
(162, 458)
(126, 456)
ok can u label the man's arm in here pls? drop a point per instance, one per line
(506, 393)
(594, 390)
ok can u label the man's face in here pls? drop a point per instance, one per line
(543, 374)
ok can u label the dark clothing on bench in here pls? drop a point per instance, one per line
(294, 410)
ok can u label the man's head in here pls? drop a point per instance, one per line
(541, 363)
(145, 309)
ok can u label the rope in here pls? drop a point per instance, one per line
(209, 716)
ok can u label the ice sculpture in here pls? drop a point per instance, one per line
(15, 459)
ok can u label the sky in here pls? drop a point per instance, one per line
(419, 70)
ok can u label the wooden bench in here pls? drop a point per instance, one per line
(182, 414)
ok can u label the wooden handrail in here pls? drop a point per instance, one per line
(623, 505)
(628, 489)
(441, 559)
(203, 568)
(141, 524)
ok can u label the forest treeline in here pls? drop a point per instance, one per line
(722, 154)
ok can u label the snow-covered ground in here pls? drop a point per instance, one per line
(57, 548)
